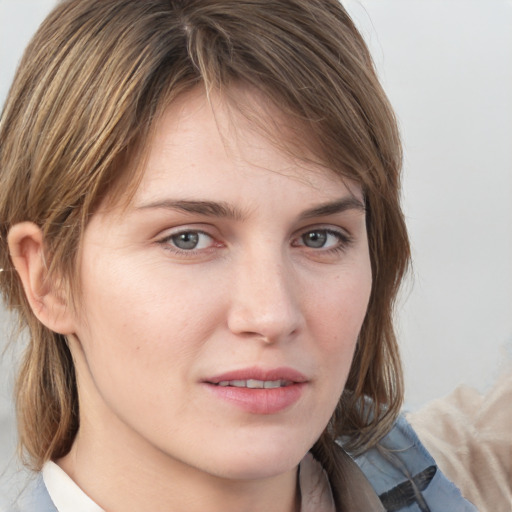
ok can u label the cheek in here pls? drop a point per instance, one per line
(139, 323)
(336, 317)
(138, 340)
(340, 308)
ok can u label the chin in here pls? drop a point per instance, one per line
(252, 470)
(261, 459)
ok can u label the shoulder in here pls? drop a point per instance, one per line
(33, 498)
(405, 475)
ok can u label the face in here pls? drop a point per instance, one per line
(220, 310)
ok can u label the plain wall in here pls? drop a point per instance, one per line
(447, 67)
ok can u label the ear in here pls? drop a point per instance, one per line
(48, 300)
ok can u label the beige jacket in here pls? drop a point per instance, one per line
(470, 437)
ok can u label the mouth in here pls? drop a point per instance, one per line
(258, 378)
(258, 391)
(255, 384)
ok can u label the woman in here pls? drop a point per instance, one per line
(201, 230)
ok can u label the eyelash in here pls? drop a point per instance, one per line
(167, 242)
(344, 242)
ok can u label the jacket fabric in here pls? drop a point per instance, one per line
(406, 477)
(396, 475)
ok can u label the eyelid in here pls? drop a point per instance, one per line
(330, 228)
(165, 241)
(344, 237)
(193, 227)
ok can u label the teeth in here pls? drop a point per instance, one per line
(271, 384)
(254, 384)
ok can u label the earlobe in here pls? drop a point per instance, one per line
(48, 301)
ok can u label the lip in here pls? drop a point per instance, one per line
(259, 401)
(282, 373)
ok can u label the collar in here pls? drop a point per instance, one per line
(64, 492)
(316, 494)
(354, 491)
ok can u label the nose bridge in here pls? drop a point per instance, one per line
(264, 302)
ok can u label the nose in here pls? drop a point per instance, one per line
(264, 300)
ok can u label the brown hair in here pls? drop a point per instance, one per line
(86, 93)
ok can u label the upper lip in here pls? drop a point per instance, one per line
(282, 373)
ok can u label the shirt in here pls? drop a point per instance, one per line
(64, 492)
(68, 497)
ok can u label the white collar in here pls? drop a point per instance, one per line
(64, 492)
(68, 497)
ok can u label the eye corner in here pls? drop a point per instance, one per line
(188, 242)
(323, 239)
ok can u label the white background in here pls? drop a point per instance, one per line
(447, 67)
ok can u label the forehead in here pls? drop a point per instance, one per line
(198, 139)
(241, 133)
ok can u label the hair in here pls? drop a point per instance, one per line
(90, 85)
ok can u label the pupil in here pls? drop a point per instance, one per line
(315, 239)
(186, 240)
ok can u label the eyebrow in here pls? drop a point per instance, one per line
(225, 210)
(209, 208)
(334, 207)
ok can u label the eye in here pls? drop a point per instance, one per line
(316, 239)
(323, 239)
(189, 240)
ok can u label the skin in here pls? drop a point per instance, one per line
(271, 283)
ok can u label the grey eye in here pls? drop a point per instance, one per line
(315, 239)
(186, 241)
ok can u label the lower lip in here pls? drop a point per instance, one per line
(260, 401)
